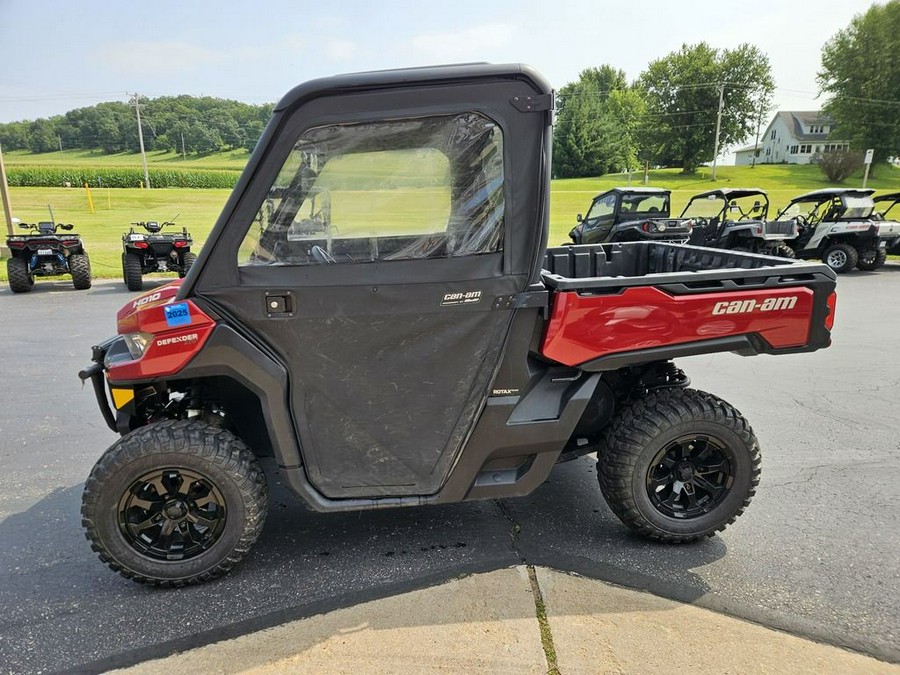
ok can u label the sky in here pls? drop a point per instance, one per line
(57, 56)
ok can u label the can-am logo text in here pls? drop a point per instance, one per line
(746, 306)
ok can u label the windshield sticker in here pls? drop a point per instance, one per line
(177, 315)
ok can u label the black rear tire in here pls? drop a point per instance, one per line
(871, 259)
(20, 279)
(174, 503)
(783, 251)
(132, 271)
(80, 267)
(187, 261)
(840, 257)
(665, 442)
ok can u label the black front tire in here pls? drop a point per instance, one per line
(716, 446)
(20, 279)
(871, 259)
(840, 257)
(132, 271)
(80, 267)
(165, 539)
(187, 261)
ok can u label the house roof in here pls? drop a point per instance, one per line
(795, 120)
(749, 148)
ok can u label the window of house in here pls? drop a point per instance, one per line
(773, 134)
(429, 187)
(794, 149)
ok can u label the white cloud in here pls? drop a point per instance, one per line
(470, 44)
(341, 50)
(151, 57)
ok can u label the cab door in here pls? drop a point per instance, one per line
(376, 230)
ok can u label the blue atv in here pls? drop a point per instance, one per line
(45, 253)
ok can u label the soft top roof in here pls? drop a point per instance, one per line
(891, 196)
(635, 190)
(417, 77)
(827, 193)
(731, 193)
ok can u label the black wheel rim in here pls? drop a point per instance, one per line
(172, 514)
(690, 476)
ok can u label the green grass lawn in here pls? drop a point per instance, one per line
(199, 209)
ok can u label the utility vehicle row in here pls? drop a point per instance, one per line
(842, 227)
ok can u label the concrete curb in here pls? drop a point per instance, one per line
(518, 620)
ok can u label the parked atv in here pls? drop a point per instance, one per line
(630, 214)
(735, 218)
(46, 254)
(835, 225)
(154, 252)
(426, 347)
(888, 227)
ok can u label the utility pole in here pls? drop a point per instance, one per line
(137, 108)
(59, 138)
(183, 153)
(4, 193)
(718, 128)
(758, 126)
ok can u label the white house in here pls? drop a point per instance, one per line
(792, 138)
(744, 156)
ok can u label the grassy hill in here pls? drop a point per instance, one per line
(198, 209)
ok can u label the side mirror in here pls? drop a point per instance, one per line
(24, 226)
(66, 227)
(579, 218)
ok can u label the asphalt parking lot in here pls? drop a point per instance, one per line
(815, 554)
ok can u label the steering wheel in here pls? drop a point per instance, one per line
(321, 256)
(801, 220)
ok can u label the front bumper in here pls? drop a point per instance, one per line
(95, 372)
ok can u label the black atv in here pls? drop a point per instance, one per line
(154, 252)
(630, 214)
(46, 254)
(735, 218)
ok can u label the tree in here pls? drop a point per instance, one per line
(682, 91)
(838, 165)
(861, 73)
(596, 119)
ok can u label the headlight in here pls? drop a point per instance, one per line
(136, 343)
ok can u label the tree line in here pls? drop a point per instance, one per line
(668, 116)
(196, 125)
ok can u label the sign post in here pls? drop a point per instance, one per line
(870, 155)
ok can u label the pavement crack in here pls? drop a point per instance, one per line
(514, 531)
(540, 611)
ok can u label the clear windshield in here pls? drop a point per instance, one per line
(858, 206)
(655, 205)
(706, 207)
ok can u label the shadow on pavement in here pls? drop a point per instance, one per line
(65, 609)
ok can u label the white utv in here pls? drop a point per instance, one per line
(836, 226)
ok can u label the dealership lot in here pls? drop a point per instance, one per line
(815, 553)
